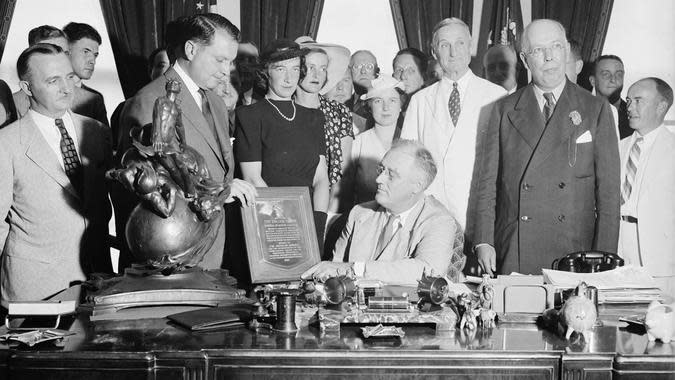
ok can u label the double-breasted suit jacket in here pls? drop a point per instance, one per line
(51, 235)
(548, 189)
(216, 150)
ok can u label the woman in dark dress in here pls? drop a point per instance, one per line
(280, 143)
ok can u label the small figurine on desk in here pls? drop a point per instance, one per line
(486, 294)
(660, 322)
(578, 313)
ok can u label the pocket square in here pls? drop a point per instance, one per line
(584, 138)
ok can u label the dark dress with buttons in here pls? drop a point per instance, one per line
(288, 150)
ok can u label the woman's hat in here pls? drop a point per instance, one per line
(381, 84)
(338, 60)
(281, 50)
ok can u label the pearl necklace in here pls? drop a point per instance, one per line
(279, 111)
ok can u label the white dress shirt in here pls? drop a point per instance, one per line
(190, 84)
(47, 127)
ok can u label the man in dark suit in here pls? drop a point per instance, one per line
(54, 202)
(84, 41)
(203, 47)
(607, 82)
(548, 181)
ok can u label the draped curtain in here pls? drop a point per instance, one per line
(414, 20)
(6, 12)
(586, 21)
(263, 21)
(501, 24)
(136, 28)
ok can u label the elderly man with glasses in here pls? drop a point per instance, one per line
(548, 182)
(363, 67)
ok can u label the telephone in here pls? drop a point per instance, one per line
(588, 262)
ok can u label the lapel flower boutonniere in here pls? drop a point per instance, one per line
(575, 117)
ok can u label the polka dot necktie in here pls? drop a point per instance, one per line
(453, 104)
(71, 161)
(549, 106)
(631, 169)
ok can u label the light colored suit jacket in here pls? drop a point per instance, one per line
(453, 148)
(50, 235)
(217, 153)
(656, 204)
(423, 243)
(548, 189)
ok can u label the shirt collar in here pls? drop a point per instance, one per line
(189, 83)
(39, 118)
(648, 139)
(539, 93)
(403, 216)
(462, 83)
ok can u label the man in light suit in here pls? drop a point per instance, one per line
(85, 102)
(203, 47)
(403, 232)
(647, 229)
(445, 116)
(53, 195)
(548, 177)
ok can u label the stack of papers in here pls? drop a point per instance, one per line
(628, 284)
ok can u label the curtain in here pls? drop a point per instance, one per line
(586, 21)
(136, 28)
(263, 21)
(414, 20)
(6, 12)
(501, 24)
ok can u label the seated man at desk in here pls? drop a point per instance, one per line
(403, 232)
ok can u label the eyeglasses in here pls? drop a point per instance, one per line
(408, 70)
(368, 66)
(539, 51)
(389, 173)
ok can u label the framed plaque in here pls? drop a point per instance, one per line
(280, 235)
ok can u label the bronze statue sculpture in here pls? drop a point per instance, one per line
(181, 205)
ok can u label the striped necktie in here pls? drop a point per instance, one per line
(631, 169)
(454, 105)
(549, 106)
(71, 161)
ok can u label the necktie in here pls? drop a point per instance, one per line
(631, 169)
(206, 110)
(549, 106)
(453, 104)
(387, 233)
(71, 162)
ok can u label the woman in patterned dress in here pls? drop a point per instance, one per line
(324, 65)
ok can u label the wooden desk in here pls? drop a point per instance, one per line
(156, 349)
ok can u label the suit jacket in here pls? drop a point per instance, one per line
(424, 242)
(548, 189)
(86, 102)
(454, 149)
(624, 127)
(51, 235)
(656, 204)
(217, 152)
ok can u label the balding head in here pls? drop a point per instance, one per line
(499, 63)
(544, 51)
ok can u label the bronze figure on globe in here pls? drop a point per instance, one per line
(181, 205)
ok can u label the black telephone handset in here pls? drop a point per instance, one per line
(588, 262)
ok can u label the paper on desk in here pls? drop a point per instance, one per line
(620, 278)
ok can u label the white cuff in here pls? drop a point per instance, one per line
(359, 268)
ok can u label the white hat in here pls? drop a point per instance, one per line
(338, 60)
(381, 84)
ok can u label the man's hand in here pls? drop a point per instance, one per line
(487, 257)
(325, 269)
(243, 191)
